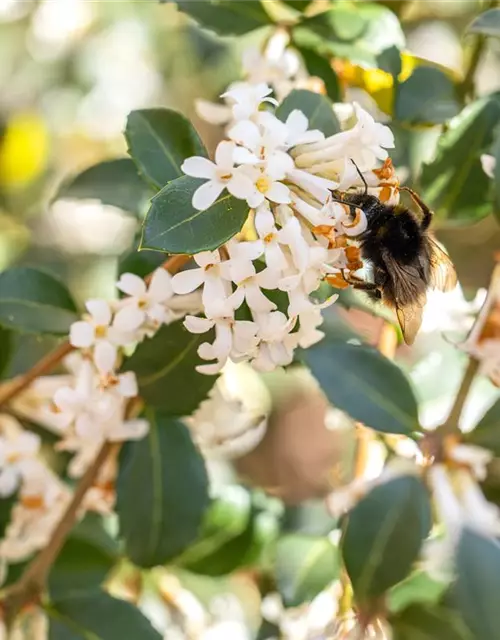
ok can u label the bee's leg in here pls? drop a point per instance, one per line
(426, 212)
(363, 180)
(362, 285)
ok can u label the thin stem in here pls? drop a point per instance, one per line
(451, 424)
(466, 88)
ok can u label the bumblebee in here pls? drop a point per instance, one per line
(406, 260)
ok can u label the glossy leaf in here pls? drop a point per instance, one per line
(487, 431)
(390, 61)
(162, 492)
(383, 536)
(320, 67)
(418, 589)
(475, 590)
(175, 226)
(34, 301)
(226, 17)
(165, 369)
(95, 614)
(486, 24)
(454, 183)
(364, 384)
(159, 140)
(305, 565)
(113, 182)
(27, 349)
(428, 623)
(6, 348)
(316, 107)
(427, 97)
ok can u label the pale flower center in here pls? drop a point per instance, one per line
(142, 304)
(101, 331)
(263, 184)
(269, 238)
(32, 502)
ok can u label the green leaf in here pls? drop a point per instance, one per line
(87, 557)
(95, 615)
(305, 565)
(314, 106)
(384, 534)
(320, 67)
(159, 140)
(418, 588)
(454, 183)
(389, 60)
(487, 24)
(6, 505)
(27, 349)
(495, 151)
(299, 5)
(34, 301)
(175, 226)
(165, 369)
(487, 431)
(475, 590)
(114, 182)
(162, 492)
(6, 348)
(427, 97)
(366, 385)
(140, 262)
(427, 623)
(227, 17)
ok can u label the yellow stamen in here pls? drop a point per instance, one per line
(101, 331)
(263, 184)
(32, 502)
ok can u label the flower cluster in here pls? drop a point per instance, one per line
(286, 173)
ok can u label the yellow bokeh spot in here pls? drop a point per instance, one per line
(24, 148)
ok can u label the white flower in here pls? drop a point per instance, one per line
(270, 236)
(96, 331)
(477, 458)
(17, 451)
(298, 133)
(489, 164)
(249, 290)
(265, 185)
(277, 343)
(242, 255)
(221, 174)
(214, 276)
(247, 98)
(308, 333)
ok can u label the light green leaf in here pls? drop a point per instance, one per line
(162, 492)
(159, 140)
(487, 431)
(418, 588)
(427, 97)
(428, 623)
(495, 151)
(364, 384)
(114, 182)
(165, 369)
(383, 536)
(305, 565)
(475, 590)
(34, 301)
(454, 183)
(227, 17)
(173, 225)
(314, 106)
(6, 348)
(299, 5)
(95, 615)
(487, 24)
(320, 67)
(389, 60)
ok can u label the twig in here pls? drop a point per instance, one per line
(452, 422)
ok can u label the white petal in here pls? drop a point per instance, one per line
(256, 300)
(279, 193)
(250, 250)
(275, 258)
(66, 399)
(207, 194)
(244, 156)
(199, 167)
(129, 318)
(212, 112)
(160, 287)
(127, 384)
(131, 284)
(100, 311)
(105, 356)
(9, 480)
(224, 154)
(279, 164)
(297, 122)
(240, 185)
(268, 279)
(245, 133)
(224, 340)
(210, 369)
(129, 430)
(194, 324)
(187, 281)
(488, 163)
(87, 428)
(264, 221)
(81, 334)
(255, 199)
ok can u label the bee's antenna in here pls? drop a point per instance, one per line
(361, 176)
(426, 212)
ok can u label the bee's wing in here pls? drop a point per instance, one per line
(443, 274)
(410, 319)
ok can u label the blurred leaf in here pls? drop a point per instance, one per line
(366, 385)
(487, 24)
(389, 60)
(384, 534)
(418, 588)
(475, 590)
(427, 97)
(159, 140)
(320, 67)
(495, 151)
(140, 263)
(427, 623)
(487, 431)
(162, 492)
(314, 106)
(305, 565)
(85, 560)
(165, 368)
(95, 614)
(34, 301)
(226, 17)
(6, 505)
(114, 182)
(27, 349)
(175, 226)
(300, 5)
(6, 348)
(268, 631)
(356, 31)
(454, 183)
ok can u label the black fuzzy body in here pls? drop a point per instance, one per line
(396, 244)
